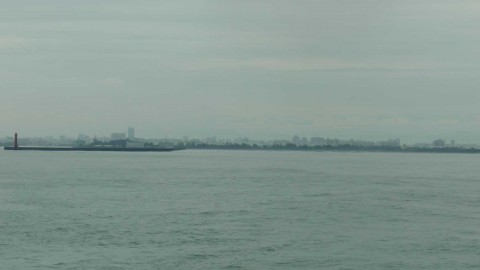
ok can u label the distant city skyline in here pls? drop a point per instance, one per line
(296, 139)
(369, 69)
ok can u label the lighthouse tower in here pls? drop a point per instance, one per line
(15, 142)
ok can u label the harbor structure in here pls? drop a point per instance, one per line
(129, 147)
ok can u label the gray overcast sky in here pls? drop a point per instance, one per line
(369, 69)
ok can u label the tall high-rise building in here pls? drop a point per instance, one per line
(131, 133)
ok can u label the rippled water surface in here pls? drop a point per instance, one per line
(239, 210)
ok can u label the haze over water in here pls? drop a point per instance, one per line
(269, 69)
(239, 210)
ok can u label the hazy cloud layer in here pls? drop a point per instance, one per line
(362, 69)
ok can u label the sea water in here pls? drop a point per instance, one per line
(239, 210)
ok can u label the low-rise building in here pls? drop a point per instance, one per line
(135, 144)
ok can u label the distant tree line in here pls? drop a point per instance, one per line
(287, 146)
(342, 147)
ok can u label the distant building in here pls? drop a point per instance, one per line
(135, 145)
(317, 141)
(452, 143)
(299, 141)
(118, 136)
(390, 143)
(213, 140)
(438, 143)
(131, 133)
(422, 145)
(332, 142)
